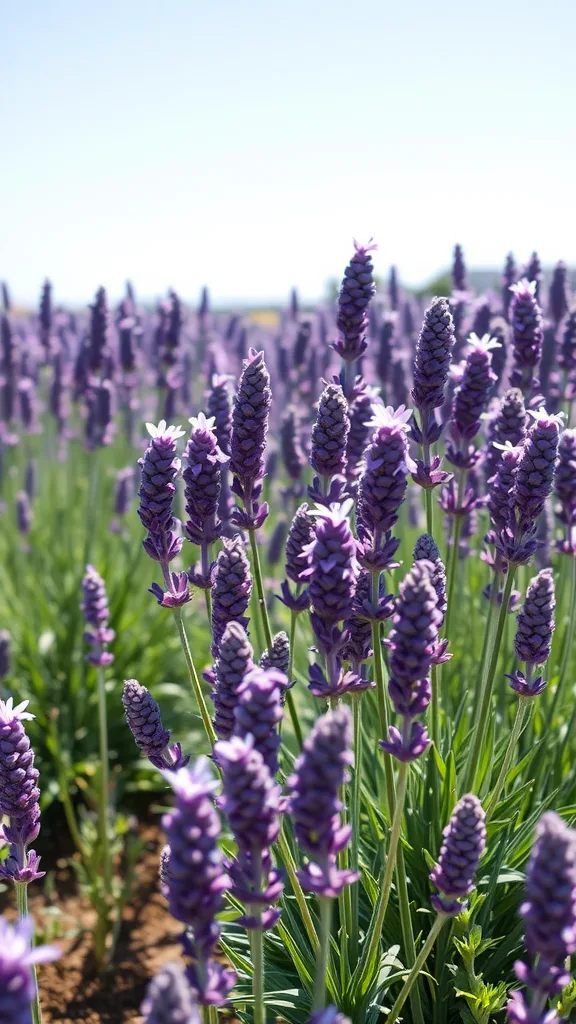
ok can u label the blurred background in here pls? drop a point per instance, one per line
(244, 145)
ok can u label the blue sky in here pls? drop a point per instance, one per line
(244, 145)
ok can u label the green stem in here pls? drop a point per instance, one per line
(209, 728)
(452, 572)
(381, 695)
(257, 948)
(260, 589)
(211, 1014)
(289, 697)
(370, 951)
(288, 862)
(407, 932)
(486, 643)
(421, 960)
(523, 705)
(103, 809)
(22, 904)
(481, 722)
(322, 956)
(568, 640)
(355, 822)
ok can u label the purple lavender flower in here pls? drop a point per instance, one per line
(220, 409)
(300, 535)
(549, 913)
(23, 513)
(361, 413)
(413, 642)
(355, 294)
(393, 293)
(510, 424)
(470, 401)
(28, 405)
(536, 468)
(292, 454)
(532, 272)
(332, 566)
(358, 625)
(330, 435)
(196, 877)
(329, 1016)
(100, 400)
(463, 845)
(251, 802)
(567, 354)
(145, 724)
(426, 549)
(99, 336)
(17, 960)
(248, 442)
(277, 656)
(565, 479)
(231, 590)
(383, 357)
(234, 662)
(527, 334)
(258, 711)
(124, 490)
(160, 465)
(382, 485)
(96, 613)
(19, 793)
(433, 355)
(459, 281)
(536, 620)
(315, 805)
(203, 462)
(169, 998)
(558, 295)
(501, 494)
(509, 277)
(45, 314)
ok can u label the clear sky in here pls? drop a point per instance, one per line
(243, 144)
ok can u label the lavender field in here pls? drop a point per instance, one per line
(287, 666)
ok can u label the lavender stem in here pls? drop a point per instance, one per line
(568, 640)
(368, 959)
(257, 949)
(209, 728)
(289, 698)
(322, 957)
(261, 598)
(288, 862)
(355, 816)
(104, 781)
(420, 961)
(22, 905)
(523, 706)
(486, 689)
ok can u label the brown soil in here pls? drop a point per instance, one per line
(70, 992)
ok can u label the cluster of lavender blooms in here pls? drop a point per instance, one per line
(486, 373)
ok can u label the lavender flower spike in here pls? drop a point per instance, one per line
(414, 645)
(248, 442)
(160, 465)
(536, 468)
(19, 794)
(470, 401)
(433, 355)
(565, 488)
(203, 461)
(356, 292)
(145, 724)
(427, 548)
(169, 998)
(382, 485)
(251, 802)
(96, 613)
(330, 437)
(549, 913)
(196, 878)
(533, 639)
(300, 535)
(17, 961)
(527, 334)
(258, 711)
(234, 661)
(315, 805)
(231, 590)
(463, 845)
